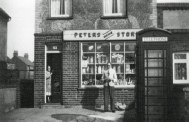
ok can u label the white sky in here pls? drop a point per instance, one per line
(21, 26)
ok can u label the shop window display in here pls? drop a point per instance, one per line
(94, 57)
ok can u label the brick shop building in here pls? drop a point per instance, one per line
(77, 37)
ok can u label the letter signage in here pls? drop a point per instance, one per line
(154, 39)
(72, 35)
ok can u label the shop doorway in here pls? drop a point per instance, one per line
(54, 61)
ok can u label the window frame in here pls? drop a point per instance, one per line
(187, 67)
(109, 53)
(113, 16)
(63, 16)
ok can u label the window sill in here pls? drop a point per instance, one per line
(114, 17)
(181, 83)
(59, 18)
(101, 87)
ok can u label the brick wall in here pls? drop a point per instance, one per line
(87, 15)
(39, 70)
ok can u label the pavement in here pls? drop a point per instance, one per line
(73, 114)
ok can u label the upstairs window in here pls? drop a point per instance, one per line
(61, 8)
(114, 8)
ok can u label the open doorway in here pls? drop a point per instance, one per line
(54, 89)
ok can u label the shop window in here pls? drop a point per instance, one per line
(94, 57)
(113, 8)
(61, 8)
(180, 68)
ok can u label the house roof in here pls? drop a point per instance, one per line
(26, 61)
(4, 14)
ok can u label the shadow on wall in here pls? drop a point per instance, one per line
(89, 98)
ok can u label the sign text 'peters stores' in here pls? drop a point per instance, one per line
(128, 34)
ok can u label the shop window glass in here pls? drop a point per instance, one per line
(180, 68)
(61, 8)
(114, 8)
(94, 57)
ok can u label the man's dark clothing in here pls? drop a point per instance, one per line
(109, 91)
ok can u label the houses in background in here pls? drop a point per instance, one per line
(24, 66)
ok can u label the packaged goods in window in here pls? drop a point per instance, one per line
(118, 69)
(91, 48)
(87, 71)
(90, 59)
(98, 58)
(103, 58)
(83, 70)
(127, 68)
(99, 69)
(99, 48)
(91, 69)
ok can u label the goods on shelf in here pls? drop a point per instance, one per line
(117, 58)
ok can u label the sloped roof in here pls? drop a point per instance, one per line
(4, 14)
(8, 59)
(26, 61)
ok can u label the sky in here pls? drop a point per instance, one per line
(21, 26)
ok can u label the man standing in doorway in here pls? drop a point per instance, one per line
(109, 76)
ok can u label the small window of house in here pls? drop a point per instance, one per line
(61, 8)
(180, 68)
(113, 8)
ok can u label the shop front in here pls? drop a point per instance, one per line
(97, 47)
(77, 59)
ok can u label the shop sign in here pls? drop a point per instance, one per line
(128, 34)
(154, 39)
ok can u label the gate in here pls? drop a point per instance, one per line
(27, 93)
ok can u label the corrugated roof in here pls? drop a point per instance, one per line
(26, 61)
(4, 14)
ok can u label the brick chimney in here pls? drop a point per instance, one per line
(15, 54)
(26, 55)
